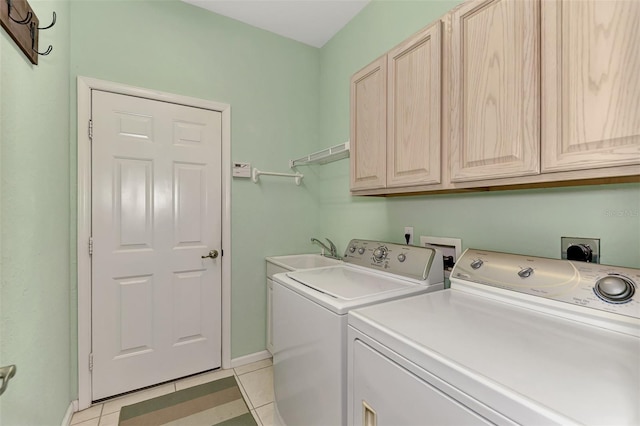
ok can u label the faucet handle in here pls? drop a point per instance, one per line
(334, 250)
(320, 243)
(332, 247)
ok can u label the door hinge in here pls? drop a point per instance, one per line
(91, 361)
(91, 129)
(90, 246)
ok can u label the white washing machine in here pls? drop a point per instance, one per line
(515, 340)
(310, 323)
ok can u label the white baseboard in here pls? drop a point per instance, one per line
(248, 359)
(73, 407)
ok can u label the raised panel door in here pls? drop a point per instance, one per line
(368, 126)
(494, 89)
(414, 104)
(156, 196)
(591, 88)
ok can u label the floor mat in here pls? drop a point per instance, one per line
(215, 403)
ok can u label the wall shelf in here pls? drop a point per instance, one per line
(329, 155)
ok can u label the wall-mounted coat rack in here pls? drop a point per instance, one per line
(22, 24)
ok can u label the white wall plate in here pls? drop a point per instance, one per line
(448, 247)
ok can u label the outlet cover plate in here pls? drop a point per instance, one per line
(593, 243)
(448, 247)
(408, 230)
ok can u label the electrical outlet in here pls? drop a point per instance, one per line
(408, 230)
(451, 249)
(582, 249)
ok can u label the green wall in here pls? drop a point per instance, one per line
(271, 84)
(1, 138)
(34, 286)
(525, 221)
(529, 221)
(379, 27)
(287, 100)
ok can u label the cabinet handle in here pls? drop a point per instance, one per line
(369, 417)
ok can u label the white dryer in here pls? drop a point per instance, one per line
(515, 340)
(310, 322)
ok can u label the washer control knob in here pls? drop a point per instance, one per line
(476, 263)
(615, 289)
(380, 254)
(352, 249)
(361, 250)
(402, 257)
(525, 272)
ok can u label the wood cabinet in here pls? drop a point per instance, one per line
(524, 93)
(413, 110)
(396, 114)
(591, 84)
(368, 158)
(495, 90)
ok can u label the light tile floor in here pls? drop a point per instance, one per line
(255, 380)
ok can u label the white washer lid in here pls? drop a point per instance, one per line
(532, 367)
(341, 288)
(348, 283)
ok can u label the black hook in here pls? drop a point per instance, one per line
(52, 23)
(24, 21)
(46, 52)
(33, 29)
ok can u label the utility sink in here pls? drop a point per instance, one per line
(303, 261)
(281, 264)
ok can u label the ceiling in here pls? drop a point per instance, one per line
(312, 22)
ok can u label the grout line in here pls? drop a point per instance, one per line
(270, 402)
(250, 403)
(73, 423)
(100, 415)
(253, 371)
(256, 417)
(234, 369)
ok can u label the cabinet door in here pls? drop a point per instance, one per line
(591, 84)
(368, 126)
(495, 90)
(414, 102)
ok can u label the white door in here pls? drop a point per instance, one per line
(156, 210)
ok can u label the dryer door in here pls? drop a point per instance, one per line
(384, 393)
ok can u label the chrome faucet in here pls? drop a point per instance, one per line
(333, 251)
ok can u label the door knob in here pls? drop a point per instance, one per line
(212, 254)
(6, 373)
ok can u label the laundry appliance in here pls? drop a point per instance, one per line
(515, 340)
(310, 310)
